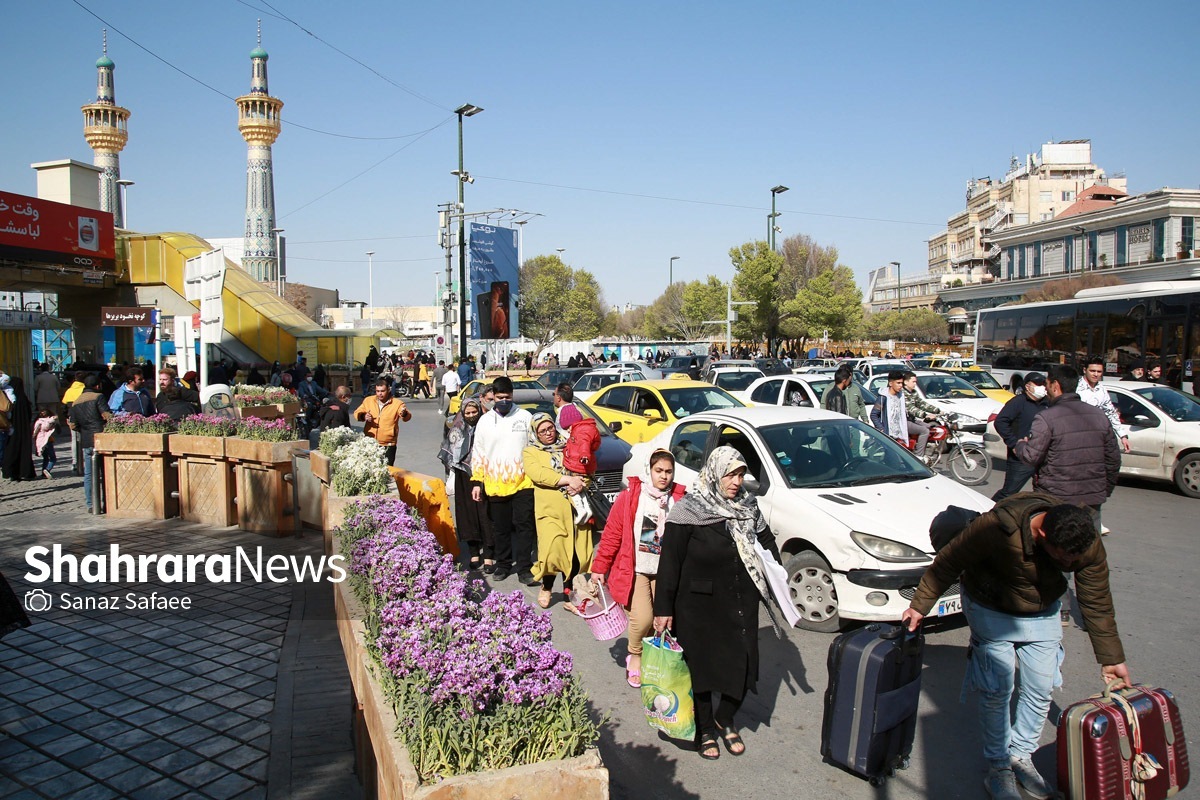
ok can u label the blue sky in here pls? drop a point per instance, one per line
(639, 130)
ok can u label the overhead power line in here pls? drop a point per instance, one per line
(212, 88)
(705, 202)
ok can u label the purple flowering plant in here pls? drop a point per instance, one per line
(136, 423)
(475, 678)
(265, 430)
(207, 425)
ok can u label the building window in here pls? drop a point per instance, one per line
(1045, 197)
(1047, 216)
(1068, 195)
(1188, 232)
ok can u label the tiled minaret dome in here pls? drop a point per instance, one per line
(105, 128)
(258, 122)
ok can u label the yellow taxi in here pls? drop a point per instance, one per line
(982, 380)
(476, 385)
(639, 411)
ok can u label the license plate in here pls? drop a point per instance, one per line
(949, 605)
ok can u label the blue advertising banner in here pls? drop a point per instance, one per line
(494, 290)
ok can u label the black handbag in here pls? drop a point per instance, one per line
(601, 505)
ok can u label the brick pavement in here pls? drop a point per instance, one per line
(245, 695)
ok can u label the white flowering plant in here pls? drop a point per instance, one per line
(332, 439)
(360, 467)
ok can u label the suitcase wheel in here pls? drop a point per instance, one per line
(878, 780)
(902, 762)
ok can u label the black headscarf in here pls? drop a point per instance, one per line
(18, 453)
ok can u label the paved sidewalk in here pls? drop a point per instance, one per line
(245, 695)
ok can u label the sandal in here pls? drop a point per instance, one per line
(474, 564)
(632, 676)
(708, 748)
(544, 597)
(733, 743)
(489, 566)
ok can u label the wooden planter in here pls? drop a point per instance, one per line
(385, 769)
(264, 495)
(275, 411)
(207, 484)
(320, 466)
(139, 482)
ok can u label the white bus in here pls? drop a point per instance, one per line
(1155, 322)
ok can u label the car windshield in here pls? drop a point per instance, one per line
(949, 387)
(691, 400)
(678, 362)
(1176, 405)
(980, 380)
(736, 381)
(595, 381)
(839, 452)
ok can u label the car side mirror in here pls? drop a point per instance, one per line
(654, 415)
(1143, 421)
(615, 426)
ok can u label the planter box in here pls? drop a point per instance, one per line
(383, 763)
(334, 507)
(264, 494)
(139, 482)
(320, 466)
(207, 483)
(274, 411)
(427, 495)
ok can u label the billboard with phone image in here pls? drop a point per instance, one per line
(494, 291)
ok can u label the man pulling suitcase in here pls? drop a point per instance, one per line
(1012, 560)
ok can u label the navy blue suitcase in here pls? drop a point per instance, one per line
(871, 702)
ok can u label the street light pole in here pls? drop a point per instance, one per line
(124, 184)
(371, 284)
(671, 271)
(899, 302)
(775, 191)
(465, 110)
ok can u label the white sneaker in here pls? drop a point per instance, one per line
(1030, 779)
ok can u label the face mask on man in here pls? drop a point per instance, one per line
(1039, 392)
(503, 407)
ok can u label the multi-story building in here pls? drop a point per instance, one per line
(888, 290)
(1037, 190)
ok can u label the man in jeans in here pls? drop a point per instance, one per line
(1011, 561)
(87, 417)
(498, 468)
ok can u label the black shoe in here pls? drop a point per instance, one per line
(488, 569)
(500, 574)
(528, 579)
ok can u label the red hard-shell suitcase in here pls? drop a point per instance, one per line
(1109, 742)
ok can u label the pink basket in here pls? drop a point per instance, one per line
(608, 622)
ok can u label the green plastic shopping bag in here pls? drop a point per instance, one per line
(667, 687)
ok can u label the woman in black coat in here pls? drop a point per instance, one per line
(18, 453)
(710, 583)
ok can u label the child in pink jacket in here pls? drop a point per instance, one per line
(43, 439)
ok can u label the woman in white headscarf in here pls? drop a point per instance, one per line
(710, 584)
(630, 546)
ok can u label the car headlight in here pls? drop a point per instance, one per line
(967, 419)
(887, 549)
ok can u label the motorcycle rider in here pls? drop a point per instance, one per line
(920, 413)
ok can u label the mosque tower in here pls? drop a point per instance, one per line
(258, 122)
(106, 131)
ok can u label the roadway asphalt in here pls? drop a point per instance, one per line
(1154, 563)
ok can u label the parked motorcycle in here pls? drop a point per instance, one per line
(969, 463)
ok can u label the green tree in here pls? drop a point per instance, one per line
(830, 302)
(558, 302)
(1065, 288)
(681, 310)
(757, 279)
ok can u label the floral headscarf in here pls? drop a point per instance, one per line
(706, 504)
(560, 438)
(455, 452)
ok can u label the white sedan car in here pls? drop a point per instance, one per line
(735, 380)
(849, 507)
(1164, 434)
(951, 394)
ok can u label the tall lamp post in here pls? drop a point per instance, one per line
(671, 271)
(775, 192)
(124, 184)
(899, 302)
(371, 284)
(465, 110)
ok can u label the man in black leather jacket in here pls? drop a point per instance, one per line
(1013, 424)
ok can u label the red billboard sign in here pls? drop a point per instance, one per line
(32, 229)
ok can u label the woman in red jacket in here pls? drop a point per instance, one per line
(627, 558)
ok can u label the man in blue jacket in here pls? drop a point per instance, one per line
(132, 397)
(1013, 424)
